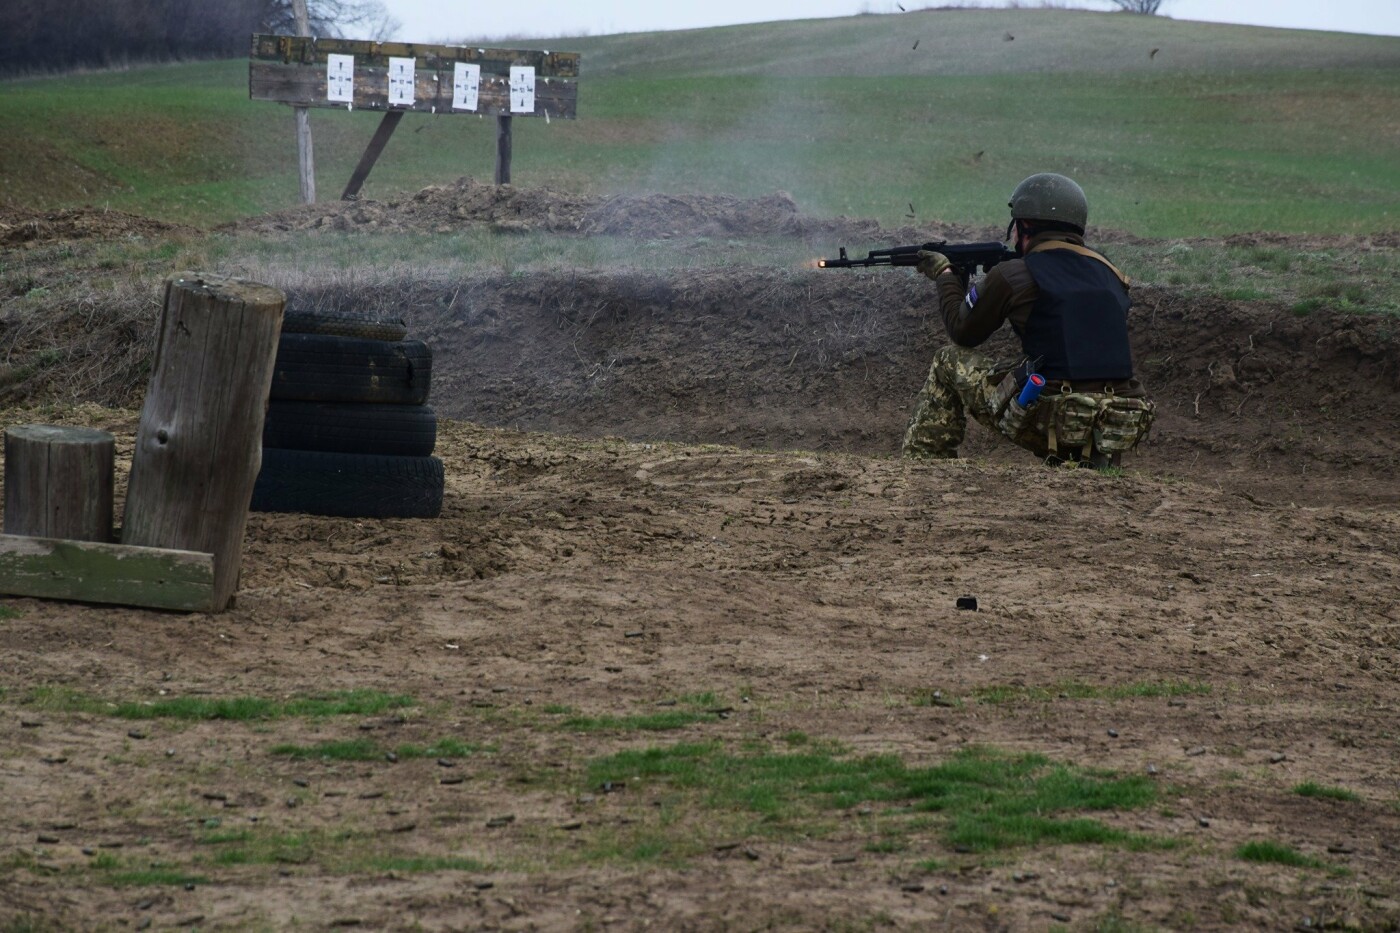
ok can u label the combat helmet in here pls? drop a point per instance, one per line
(1048, 196)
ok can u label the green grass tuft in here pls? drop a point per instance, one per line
(689, 709)
(343, 851)
(1313, 789)
(347, 750)
(154, 877)
(985, 800)
(362, 749)
(119, 873)
(1277, 853)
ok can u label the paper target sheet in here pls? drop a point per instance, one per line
(340, 78)
(522, 89)
(401, 82)
(466, 86)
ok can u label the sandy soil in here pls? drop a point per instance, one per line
(668, 487)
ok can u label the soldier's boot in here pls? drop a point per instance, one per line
(1101, 461)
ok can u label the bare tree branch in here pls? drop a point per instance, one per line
(58, 34)
(359, 19)
(1147, 7)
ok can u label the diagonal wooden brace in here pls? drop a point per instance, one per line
(376, 146)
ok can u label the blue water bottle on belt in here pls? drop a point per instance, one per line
(1031, 390)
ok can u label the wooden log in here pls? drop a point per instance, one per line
(106, 573)
(58, 482)
(199, 444)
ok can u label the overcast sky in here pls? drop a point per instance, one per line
(432, 20)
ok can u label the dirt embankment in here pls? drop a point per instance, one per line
(20, 227)
(1250, 397)
(507, 209)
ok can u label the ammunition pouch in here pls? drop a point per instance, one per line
(1089, 422)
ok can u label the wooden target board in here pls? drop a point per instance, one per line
(408, 76)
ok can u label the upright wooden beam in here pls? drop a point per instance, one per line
(199, 444)
(58, 482)
(503, 148)
(371, 156)
(306, 157)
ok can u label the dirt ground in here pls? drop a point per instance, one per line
(668, 487)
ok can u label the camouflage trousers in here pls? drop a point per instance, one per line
(960, 383)
(1066, 425)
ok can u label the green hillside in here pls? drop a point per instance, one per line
(949, 43)
(1224, 129)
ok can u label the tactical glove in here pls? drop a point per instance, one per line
(932, 264)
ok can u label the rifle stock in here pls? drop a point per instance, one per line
(965, 257)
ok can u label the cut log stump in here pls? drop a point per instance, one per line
(199, 445)
(58, 482)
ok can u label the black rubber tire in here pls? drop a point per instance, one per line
(351, 428)
(319, 368)
(366, 325)
(348, 485)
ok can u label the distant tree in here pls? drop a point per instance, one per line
(358, 19)
(49, 35)
(1147, 7)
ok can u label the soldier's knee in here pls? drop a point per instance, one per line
(947, 355)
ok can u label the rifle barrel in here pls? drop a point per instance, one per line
(964, 256)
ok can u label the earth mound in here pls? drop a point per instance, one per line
(20, 227)
(444, 208)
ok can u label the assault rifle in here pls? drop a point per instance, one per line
(965, 257)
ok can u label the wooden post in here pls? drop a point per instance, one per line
(306, 157)
(58, 482)
(503, 144)
(199, 444)
(371, 156)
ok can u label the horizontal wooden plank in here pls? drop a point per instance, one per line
(86, 571)
(301, 86)
(308, 51)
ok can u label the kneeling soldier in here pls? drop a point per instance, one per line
(1069, 305)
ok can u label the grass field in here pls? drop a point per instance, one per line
(1225, 129)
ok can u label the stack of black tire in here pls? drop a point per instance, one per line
(347, 431)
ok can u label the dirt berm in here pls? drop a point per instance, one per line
(1250, 396)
